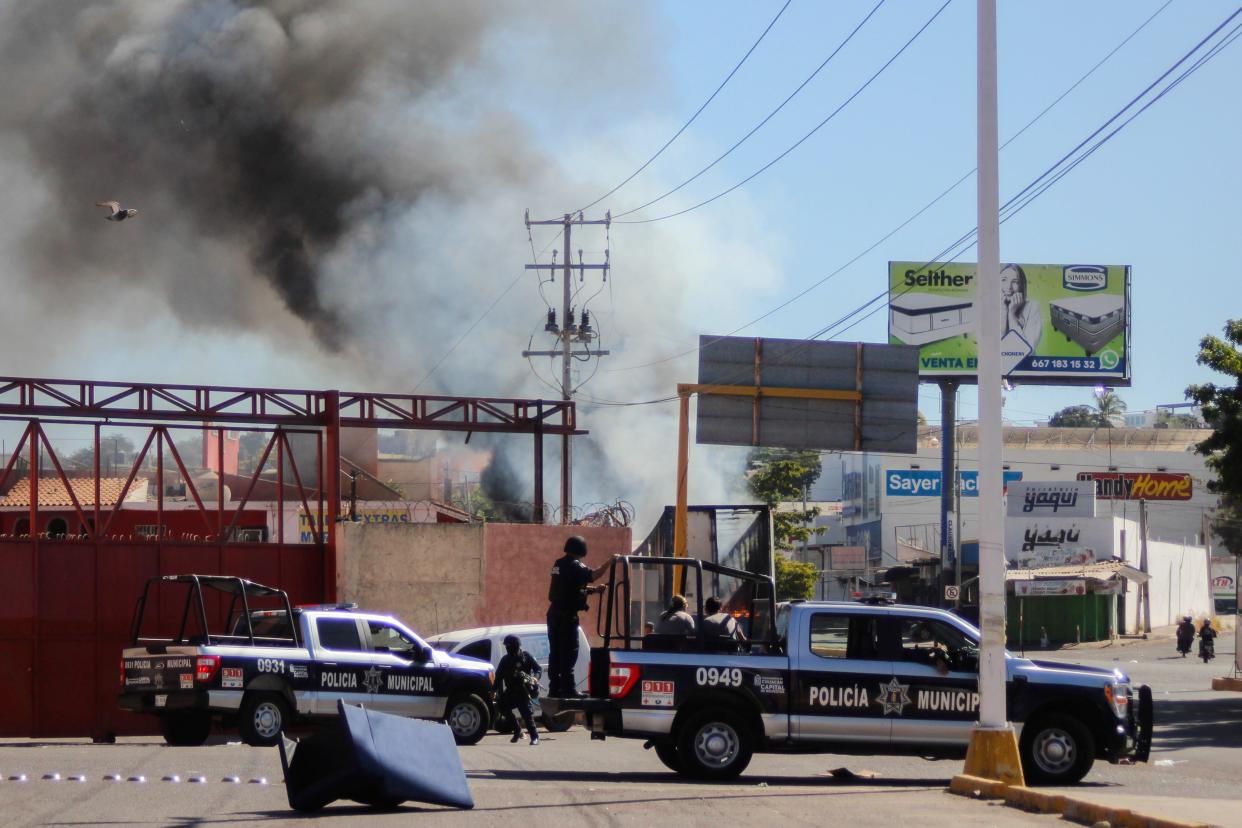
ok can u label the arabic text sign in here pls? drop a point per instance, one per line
(1073, 586)
(1051, 499)
(926, 483)
(1061, 324)
(1140, 485)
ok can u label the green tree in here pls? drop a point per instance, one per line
(794, 579)
(1107, 406)
(781, 476)
(116, 455)
(1222, 409)
(1075, 416)
(1167, 419)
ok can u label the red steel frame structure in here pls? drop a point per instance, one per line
(66, 602)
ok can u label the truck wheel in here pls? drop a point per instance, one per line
(714, 744)
(185, 729)
(468, 718)
(262, 718)
(554, 724)
(1056, 750)
(668, 756)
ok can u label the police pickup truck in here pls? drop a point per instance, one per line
(267, 672)
(851, 678)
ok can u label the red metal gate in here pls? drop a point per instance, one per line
(67, 590)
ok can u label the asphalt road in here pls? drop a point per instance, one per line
(568, 779)
(1195, 770)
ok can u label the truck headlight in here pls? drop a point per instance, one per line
(1118, 696)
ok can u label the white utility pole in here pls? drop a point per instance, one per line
(993, 748)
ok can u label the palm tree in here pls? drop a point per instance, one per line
(1107, 406)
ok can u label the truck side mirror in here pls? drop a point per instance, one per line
(426, 654)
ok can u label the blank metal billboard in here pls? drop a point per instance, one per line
(762, 406)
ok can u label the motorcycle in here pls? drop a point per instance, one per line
(1184, 642)
(1207, 649)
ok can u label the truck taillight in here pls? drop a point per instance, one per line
(621, 679)
(206, 667)
(122, 672)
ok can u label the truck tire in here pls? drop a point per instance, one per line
(714, 744)
(1056, 750)
(185, 729)
(262, 718)
(668, 756)
(554, 724)
(468, 718)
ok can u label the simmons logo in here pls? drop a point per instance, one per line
(1085, 277)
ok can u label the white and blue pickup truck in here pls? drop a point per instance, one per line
(831, 677)
(265, 672)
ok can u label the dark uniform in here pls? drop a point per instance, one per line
(517, 681)
(567, 596)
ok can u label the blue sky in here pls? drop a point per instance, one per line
(549, 111)
(1159, 197)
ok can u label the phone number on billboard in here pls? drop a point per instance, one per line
(1049, 363)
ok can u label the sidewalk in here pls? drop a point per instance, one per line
(1090, 807)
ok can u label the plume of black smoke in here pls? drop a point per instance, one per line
(252, 124)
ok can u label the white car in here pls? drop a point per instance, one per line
(487, 644)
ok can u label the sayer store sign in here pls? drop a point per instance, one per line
(1063, 324)
(926, 483)
(1140, 485)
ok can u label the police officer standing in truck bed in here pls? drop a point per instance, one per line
(567, 596)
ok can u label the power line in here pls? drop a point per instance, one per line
(1019, 201)
(805, 137)
(699, 111)
(769, 117)
(918, 212)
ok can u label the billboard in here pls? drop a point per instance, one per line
(1061, 324)
(805, 394)
(926, 483)
(1052, 499)
(1140, 485)
(1032, 542)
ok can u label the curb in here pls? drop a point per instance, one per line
(1225, 683)
(1071, 808)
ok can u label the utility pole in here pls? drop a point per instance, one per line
(570, 331)
(993, 751)
(1145, 587)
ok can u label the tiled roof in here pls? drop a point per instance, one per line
(52, 491)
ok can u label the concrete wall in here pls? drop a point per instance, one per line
(519, 560)
(1179, 578)
(429, 575)
(442, 577)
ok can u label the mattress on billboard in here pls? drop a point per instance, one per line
(1062, 324)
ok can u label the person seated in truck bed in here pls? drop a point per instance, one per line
(675, 620)
(719, 624)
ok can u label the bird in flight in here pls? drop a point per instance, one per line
(117, 213)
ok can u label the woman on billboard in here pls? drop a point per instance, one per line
(1022, 315)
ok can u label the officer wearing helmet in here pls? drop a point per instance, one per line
(517, 683)
(567, 596)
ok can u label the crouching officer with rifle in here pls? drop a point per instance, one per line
(567, 596)
(516, 685)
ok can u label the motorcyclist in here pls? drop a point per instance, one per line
(1185, 635)
(1207, 641)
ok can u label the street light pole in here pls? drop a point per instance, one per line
(993, 751)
